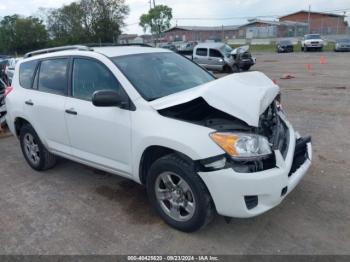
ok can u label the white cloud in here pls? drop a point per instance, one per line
(2, 7)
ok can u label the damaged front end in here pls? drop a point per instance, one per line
(270, 128)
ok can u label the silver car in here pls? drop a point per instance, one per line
(342, 45)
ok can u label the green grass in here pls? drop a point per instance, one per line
(272, 47)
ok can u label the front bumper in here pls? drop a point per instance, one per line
(319, 45)
(342, 49)
(234, 193)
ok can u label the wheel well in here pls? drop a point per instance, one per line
(19, 123)
(151, 154)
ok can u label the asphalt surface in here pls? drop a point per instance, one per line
(73, 209)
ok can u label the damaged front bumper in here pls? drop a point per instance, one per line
(250, 194)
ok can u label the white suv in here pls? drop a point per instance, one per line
(199, 144)
(312, 41)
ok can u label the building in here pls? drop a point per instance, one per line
(322, 23)
(134, 39)
(126, 38)
(256, 28)
(200, 33)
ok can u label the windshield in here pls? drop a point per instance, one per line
(227, 50)
(155, 75)
(285, 42)
(312, 37)
(343, 40)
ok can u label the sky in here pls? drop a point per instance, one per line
(206, 10)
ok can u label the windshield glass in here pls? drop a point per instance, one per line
(312, 37)
(285, 42)
(155, 75)
(227, 50)
(343, 40)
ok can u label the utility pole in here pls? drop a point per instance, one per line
(308, 18)
(154, 3)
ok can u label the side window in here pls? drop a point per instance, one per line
(90, 76)
(202, 51)
(53, 76)
(26, 73)
(215, 53)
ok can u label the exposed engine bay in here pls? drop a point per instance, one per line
(199, 112)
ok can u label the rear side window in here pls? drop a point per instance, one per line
(90, 76)
(26, 73)
(53, 76)
(202, 51)
(215, 53)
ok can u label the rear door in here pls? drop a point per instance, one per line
(201, 56)
(44, 103)
(98, 135)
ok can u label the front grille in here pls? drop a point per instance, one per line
(251, 201)
(314, 43)
(300, 154)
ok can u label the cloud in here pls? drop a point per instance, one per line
(2, 7)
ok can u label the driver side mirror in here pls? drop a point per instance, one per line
(110, 98)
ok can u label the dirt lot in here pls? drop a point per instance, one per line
(74, 209)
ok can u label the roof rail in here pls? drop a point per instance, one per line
(112, 44)
(56, 49)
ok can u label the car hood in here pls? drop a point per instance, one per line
(244, 96)
(313, 40)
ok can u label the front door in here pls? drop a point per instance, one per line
(99, 135)
(216, 60)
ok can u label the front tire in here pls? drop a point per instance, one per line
(35, 153)
(178, 194)
(245, 68)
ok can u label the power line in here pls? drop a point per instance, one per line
(249, 17)
(240, 17)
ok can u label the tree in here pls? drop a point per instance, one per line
(87, 21)
(21, 34)
(157, 20)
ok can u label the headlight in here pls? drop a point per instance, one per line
(241, 145)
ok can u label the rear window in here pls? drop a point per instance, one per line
(26, 73)
(53, 76)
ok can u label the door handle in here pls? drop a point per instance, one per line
(29, 103)
(71, 112)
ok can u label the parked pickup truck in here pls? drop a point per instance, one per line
(221, 57)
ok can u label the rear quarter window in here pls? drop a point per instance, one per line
(26, 73)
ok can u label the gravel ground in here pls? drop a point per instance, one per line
(73, 209)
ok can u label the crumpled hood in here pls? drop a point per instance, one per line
(244, 96)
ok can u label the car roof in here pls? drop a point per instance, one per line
(217, 45)
(113, 51)
(109, 51)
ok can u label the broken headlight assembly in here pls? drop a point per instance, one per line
(243, 146)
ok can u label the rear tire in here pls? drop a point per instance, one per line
(178, 194)
(35, 153)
